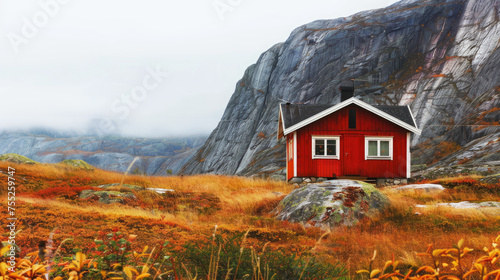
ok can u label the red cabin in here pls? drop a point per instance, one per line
(351, 138)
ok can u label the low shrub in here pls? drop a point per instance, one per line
(231, 258)
(65, 191)
(266, 205)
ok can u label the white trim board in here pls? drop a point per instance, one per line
(408, 156)
(280, 121)
(295, 154)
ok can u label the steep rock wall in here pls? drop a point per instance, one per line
(439, 57)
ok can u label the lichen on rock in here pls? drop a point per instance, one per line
(112, 193)
(331, 203)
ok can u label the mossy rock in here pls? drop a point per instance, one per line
(78, 163)
(418, 167)
(106, 197)
(113, 193)
(15, 158)
(122, 188)
(332, 203)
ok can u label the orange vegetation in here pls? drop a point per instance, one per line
(445, 148)
(236, 205)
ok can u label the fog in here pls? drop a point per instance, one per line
(151, 68)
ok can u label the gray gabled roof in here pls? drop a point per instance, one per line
(295, 116)
(295, 113)
(400, 112)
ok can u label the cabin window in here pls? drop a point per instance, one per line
(325, 147)
(378, 148)
(352, 118)
(290, 148)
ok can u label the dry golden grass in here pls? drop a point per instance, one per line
(462, 214)
(448, 195)
(237, 194)
(455, 178)
(112, 209)
(244, 204)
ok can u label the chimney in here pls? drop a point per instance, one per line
(346, 90)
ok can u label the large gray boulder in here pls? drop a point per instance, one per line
(331, 203)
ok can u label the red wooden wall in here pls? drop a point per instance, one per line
(352, 143)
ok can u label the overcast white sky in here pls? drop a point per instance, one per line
(67, 64)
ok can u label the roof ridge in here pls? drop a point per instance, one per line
(299, 115)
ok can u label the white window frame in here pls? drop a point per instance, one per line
(319, 137)
(378, 139)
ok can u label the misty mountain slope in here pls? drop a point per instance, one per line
(439, 57)
(154, 156)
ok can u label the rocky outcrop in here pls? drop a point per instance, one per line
(439, 57)
(331, 203)
(491, 179)
(428, 188)
(154, 156)
(480, 156)
(79, 164)
(15, 158)
(466, 205)
(111, 193)
(106, 197)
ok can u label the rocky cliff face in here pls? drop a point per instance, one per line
(439, 57)
(154, 156)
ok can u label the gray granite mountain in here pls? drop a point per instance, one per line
(154, 156)
(441, 57)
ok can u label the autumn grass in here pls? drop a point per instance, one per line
(113, 209)
(238, 205)
(237, 194)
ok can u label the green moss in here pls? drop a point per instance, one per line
(364, 183)
(77, 163)
(418, 167)
(123, 187)
(287, 200)
(318, 209)
(15, 158)
(110, 193)
(370, 189)
(295, 204)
